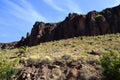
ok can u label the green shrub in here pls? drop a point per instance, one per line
(110, 63)
(22, 51)
(7, 69)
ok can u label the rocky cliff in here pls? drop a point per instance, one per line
(92, 24)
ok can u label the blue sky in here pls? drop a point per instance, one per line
(17, 17)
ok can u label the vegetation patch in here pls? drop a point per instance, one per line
(110, 63)
(87, 50)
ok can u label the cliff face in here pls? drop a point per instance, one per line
(93, 23)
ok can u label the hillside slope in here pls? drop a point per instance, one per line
(68, 59)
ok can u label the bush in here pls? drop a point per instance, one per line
(110, 63)
(7, 69)
(22, 51)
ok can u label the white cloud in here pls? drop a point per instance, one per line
(63, 5)
(116, 2)
(54, 5)
(112, 3)
(73, 6)
(25, 12)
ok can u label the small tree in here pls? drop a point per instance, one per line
(110, 63)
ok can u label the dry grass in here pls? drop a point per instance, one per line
(77, 48)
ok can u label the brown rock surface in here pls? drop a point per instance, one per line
(54, 71)
(91, 24)
(7, 45)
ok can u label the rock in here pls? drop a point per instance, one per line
(75, 64)
(59, 62)
(28, 75)
(52, 71)
(95, 52)
(73, 74)
(92, 24)
(8, 45)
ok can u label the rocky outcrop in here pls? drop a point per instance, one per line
(58, 70)
(91, 24)
(8, 45)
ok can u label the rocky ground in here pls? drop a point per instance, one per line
(61, 69)
(68, 59)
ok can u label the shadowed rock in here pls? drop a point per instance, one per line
(92, 24)
(8, 45)
(74, 25)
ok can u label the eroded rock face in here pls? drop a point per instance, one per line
(91, 24)
(94, 23)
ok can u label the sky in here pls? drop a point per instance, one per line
(17, 17)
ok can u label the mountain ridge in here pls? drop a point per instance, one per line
(92, 24)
